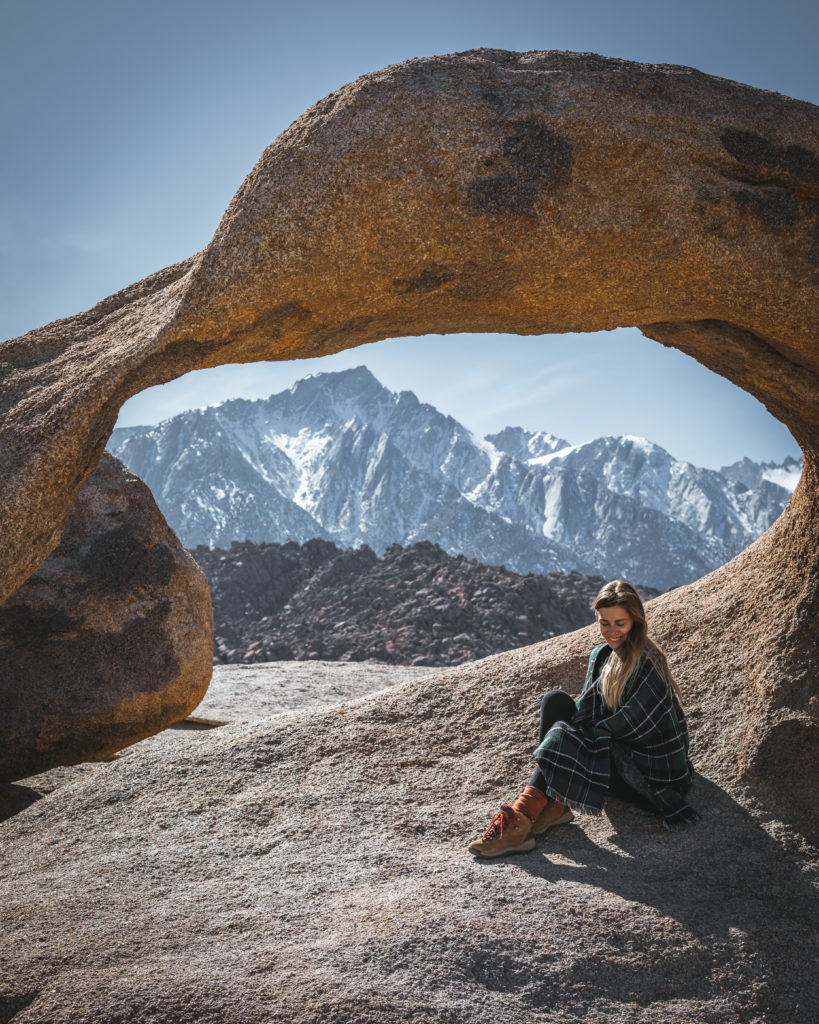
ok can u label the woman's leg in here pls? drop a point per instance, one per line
(621, 790)
(508, 832)
(556, 706)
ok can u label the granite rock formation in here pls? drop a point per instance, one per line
(483, 191)
(109, 640)
(411, 606)
(530, 193)
(311, 869)
(493, 191)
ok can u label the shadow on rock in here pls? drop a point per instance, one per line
(725, 881)
(14, 799)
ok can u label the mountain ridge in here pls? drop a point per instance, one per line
(340, 457)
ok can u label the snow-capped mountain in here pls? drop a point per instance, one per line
(341, 457)
(751, 475)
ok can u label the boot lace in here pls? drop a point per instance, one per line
(502, 821)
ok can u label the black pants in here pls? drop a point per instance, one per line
(558, 706)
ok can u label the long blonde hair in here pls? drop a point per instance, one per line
(621, 664)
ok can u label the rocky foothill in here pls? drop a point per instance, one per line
(412, 606)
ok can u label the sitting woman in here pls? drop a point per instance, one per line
(625, 737)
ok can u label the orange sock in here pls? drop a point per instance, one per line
(531, 802)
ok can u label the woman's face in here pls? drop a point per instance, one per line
(614, 623)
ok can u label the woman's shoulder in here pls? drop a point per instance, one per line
(598, 655)
(597, 658)
(650, 674)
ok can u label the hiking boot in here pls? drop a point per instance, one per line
(508, 832)
(554, 813)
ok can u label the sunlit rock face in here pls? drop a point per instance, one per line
(312, 867)
(109, 640)
(494, 191)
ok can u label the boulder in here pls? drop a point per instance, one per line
(109, 640)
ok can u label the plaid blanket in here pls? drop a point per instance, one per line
(646, 737)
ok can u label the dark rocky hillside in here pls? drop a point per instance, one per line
(411, 606)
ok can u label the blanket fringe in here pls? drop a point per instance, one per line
(574, 805)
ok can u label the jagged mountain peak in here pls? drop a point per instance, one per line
(526, 444)
(749, 475)
(631, 445)
(340, 456)
(357, 381)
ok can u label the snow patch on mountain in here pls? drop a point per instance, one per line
(784, 476)
(340, 457)
(525, 445)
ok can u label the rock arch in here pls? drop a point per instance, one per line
(496, 191)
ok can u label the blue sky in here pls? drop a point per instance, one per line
(128, 127)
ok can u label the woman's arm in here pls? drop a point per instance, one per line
(641, 715)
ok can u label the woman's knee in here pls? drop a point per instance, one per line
(558, 698)
(556, 706)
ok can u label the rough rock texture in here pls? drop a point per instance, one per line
(252, 693)
(485, 191)
(237, 693)
(109, 640)
(311, 868)
(413, 606)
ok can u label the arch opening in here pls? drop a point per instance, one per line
(630, 417)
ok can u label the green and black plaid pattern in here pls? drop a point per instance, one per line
(649, 726)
